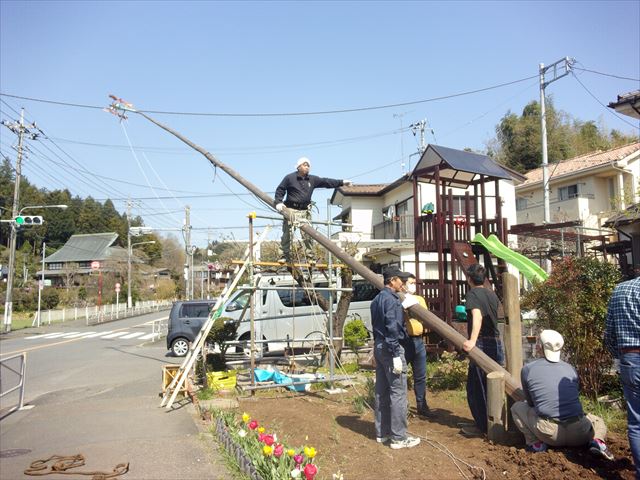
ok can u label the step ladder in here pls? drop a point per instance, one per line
(196, 346)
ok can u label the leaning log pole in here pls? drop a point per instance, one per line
(434, 323)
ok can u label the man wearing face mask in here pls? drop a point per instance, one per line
(415, 352)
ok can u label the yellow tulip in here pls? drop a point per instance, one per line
(267, 450)
(246, 417)
(310, 452)
(260, 429)
(291, 452)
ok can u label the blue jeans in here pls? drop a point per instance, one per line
(391, 395)
(630, 378)
(416, 354)
(477, 380)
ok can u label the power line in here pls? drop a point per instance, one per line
(285, 114)
(607, 74)
(603, 105)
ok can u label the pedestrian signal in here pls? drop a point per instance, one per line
(28, 220)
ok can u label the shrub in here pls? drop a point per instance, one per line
(355, 335)
(49, 298)
(223, 330)
(448, 373)
(367, 399)
(573, 301)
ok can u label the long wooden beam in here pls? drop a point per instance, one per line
(434, 323)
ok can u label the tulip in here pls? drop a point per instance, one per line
(310, 471)
(278, 451)
(260, 429)
(246, 417)
(267, 450)
(298, 459)
(242, 433)
(261, 437)
(310, 452)
(253, 425)
(268, 439)
(291, 452)
(295, 473)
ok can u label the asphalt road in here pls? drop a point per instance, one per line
(96, 394)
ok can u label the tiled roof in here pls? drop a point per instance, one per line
(582, 162)
(372, 189)
(85, 248)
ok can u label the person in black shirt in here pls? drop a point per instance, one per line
(482, 327)
(298, 188)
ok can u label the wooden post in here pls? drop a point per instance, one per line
(496, 411)
(513, 324)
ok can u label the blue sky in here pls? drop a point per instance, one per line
(274, 57)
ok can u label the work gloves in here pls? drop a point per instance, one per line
(279, 207)
(409, 301)
(397, 365)
(347, 183)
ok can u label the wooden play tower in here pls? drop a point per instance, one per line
(446, 225)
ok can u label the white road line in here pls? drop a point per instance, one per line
(132, 335)
(149, 335)
(99, 334)
(114, 335)
(51, 335)
(76, 335)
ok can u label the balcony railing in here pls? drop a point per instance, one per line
(397, 228)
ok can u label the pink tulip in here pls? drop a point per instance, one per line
(298, 459)
(310, 471)
(268, 439)
(253, 424)
(278, 451)
(261, 437)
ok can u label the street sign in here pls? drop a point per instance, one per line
(95, 265)
(117, 288)
(210, 266)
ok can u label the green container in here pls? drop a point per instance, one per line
(461, 312)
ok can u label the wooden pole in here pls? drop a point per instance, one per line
(429, 319)
(496, 412)
(513, 324)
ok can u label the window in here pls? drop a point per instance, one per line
(459, 205)
(402, 208)
(363, 291)
(521, 203)
(570, 191)
(84, 264)
(293, 299)
(196, 310)
(55, 266)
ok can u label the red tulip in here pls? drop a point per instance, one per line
(310, 471)
(253, 424)
(268, 439)
(278, 451)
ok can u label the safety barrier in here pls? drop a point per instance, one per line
(18, 371)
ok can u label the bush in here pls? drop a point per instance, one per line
(25, 300)
(573, 301)
(355, 335)
(448, 373)
(49, 298)
(223, 330)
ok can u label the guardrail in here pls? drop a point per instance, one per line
(19, 371)
(95, 314)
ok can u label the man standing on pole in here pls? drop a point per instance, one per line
(298, 187)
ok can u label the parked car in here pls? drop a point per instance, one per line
(185, 321)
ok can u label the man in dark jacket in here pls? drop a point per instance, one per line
(298, 187)
(389, 332)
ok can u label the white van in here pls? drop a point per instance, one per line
(286, 314)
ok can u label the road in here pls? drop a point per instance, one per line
(94, 391)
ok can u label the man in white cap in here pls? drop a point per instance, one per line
(552, 414)
(298, 188)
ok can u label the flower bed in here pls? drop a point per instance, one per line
(258, 452)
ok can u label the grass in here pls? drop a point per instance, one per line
(614, 418)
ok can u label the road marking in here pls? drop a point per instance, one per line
(50, 335)
(114, 335)
(149, 335)
(77, 335)
(131, 335)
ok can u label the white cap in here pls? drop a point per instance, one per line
(302, 160)
(552, 343)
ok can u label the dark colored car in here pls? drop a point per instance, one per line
(185, 321)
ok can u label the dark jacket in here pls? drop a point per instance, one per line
(299, 189)
(387, 320)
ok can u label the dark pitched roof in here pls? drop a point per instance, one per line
(630, 215)
(85, 248)
(457, 167)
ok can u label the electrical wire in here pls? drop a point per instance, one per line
(286, 114)
(607, 74)
(602, 104)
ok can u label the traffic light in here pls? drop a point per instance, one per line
(28, 220)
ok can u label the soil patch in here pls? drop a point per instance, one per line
(345, 441)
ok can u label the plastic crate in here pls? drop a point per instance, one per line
(221, 380)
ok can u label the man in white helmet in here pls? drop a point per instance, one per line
(298, 188)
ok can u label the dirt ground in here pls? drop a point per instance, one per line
(345, 442)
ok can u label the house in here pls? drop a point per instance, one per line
(627, 247)
(73, 261)
(587, 189)
(628, 104)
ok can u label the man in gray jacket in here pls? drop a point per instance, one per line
(552, 414)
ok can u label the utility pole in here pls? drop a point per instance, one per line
(557, 73)
(420, 127)
(129, 253)
(19, 129)
(189, 258)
